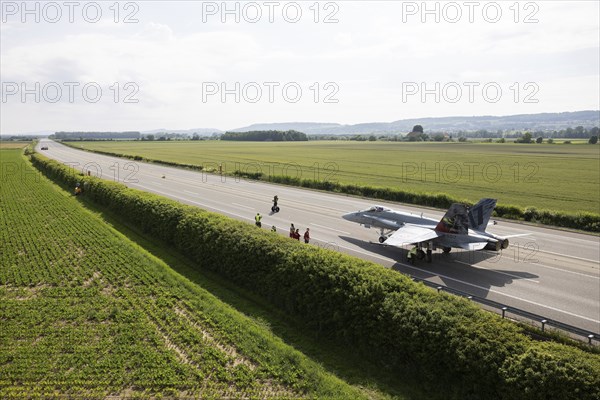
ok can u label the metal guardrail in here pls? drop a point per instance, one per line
(592, 337)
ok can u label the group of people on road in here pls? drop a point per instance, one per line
(294, 232)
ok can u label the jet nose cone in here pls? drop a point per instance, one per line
(350, 217)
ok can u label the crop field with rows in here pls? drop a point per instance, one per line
(85, 313)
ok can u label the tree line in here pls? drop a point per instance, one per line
(266, 136)
(95, 135)
(418, 135)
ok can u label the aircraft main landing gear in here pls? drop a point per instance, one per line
(383, 235)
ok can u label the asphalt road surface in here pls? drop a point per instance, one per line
(551, 272)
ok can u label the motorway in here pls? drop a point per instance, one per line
(552, 273)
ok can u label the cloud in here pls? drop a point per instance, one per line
(155, 31)
(369, 53)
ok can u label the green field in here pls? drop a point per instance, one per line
(86, 313)
(556, 177)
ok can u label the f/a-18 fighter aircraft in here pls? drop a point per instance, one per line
(461, 227)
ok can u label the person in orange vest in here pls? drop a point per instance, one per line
(306, 236)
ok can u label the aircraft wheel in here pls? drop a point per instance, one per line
(428, 256)
(447, 249)
(381, 239)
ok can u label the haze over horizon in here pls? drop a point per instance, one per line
(146, 65)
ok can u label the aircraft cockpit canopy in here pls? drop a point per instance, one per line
(377, 209)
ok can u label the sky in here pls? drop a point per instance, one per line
(142, 65)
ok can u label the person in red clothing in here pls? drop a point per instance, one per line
(297, 234)
(306, 236)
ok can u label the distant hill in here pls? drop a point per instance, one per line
(521, 122)
(288, 126)
(543, 121)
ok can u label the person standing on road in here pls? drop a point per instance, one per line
(412, 254)
(297, 234)
(306, 236)
(257, 219)
(292, 230)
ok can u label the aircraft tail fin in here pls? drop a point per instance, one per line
(480, 214)
(456, 220)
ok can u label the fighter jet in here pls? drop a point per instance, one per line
(461, 227)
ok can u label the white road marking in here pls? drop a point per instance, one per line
(331, 229)
(241, 205)
(200, 204)
(569, 256)
(566, 270)
(192, 193)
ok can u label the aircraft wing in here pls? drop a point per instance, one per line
(411, 234)
(517, 235)
(472, 246)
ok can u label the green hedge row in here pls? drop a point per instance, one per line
(451, 345)
(583, 220)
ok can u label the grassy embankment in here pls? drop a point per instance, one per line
(87, 313)
(554, 177)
